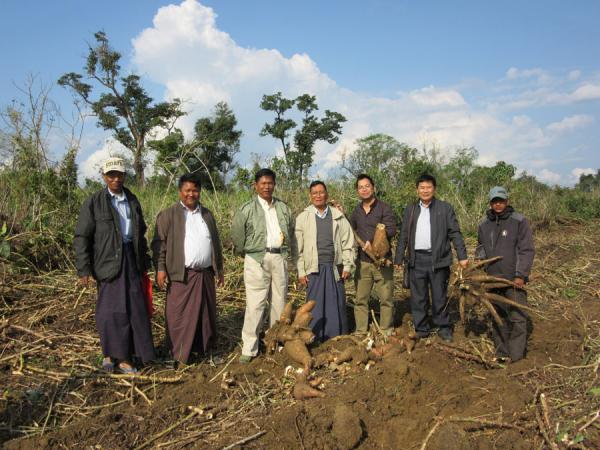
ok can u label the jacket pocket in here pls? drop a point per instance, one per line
(104, 223)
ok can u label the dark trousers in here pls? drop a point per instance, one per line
(511, 338)
(121, 316)
(424, 278)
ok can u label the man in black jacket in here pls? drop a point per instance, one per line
(110, 247)
(428, 227)
(504, 232)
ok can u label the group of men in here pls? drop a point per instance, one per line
(111, 248)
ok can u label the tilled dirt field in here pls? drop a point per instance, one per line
(53, 397)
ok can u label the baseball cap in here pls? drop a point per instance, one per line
(498, 192)
(116, 164)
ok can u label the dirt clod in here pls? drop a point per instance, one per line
(347, 428)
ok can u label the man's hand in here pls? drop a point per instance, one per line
(345, 275)
(303, 280)
(398, 266)
(464, 263)
(161, 279)
(337, 205)
(221, 280)
(519, 282)
(367, 246)
(85, 280)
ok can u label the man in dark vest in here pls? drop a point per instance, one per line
(188, 258)
(111, 248)
(504, 232)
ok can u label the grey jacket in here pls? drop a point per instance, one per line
(168, 243)
(98, 243)
(444, 228)
(306, 238)
(508, 235)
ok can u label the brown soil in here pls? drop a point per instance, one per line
(428, 399)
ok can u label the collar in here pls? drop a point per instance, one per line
(118, 197)
(323, 214)
(373, 205)
(428, 206)
(186, 209)
(262, 202)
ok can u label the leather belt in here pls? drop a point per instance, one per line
(273, 250)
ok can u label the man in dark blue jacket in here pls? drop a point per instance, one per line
(428, 226)
(504, 232)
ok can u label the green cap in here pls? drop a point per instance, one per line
(498, 192)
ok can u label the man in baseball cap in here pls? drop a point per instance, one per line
(111, 248)
(113, 164)
(506, 233)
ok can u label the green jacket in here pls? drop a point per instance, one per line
(306, 237)
(249, 229)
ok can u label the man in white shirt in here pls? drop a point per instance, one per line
(190, 276)
(428, 227)
(263, 231)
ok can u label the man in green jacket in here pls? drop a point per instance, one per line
(263, 232)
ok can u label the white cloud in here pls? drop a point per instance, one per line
(574, 75)
(578, 171)
(549, 177)
(430, 96)
(585, 92)
(541, 76)
(570, 123)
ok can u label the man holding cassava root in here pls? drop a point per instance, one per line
(263, 232)
(325, 261)
(506, 233)
(365, 218)
(188, 258)
(432, 224)
(111, 248)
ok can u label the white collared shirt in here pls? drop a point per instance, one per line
(321, 215)
(197, 244)
(274, 234)
(423, 230)
(121, 205)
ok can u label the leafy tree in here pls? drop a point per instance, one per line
(123, 106)
(219, 142)
(299, 158)
(389, 162)
(216, 142)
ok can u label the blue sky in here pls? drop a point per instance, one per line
(520, 81)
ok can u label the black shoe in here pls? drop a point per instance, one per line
(445, 335)
(422, 334)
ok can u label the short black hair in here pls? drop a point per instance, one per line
(427, 178)
(190, 178)
(317, 183)
(264, 173)
(363, 176)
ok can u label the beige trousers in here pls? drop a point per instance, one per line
(266, 282)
